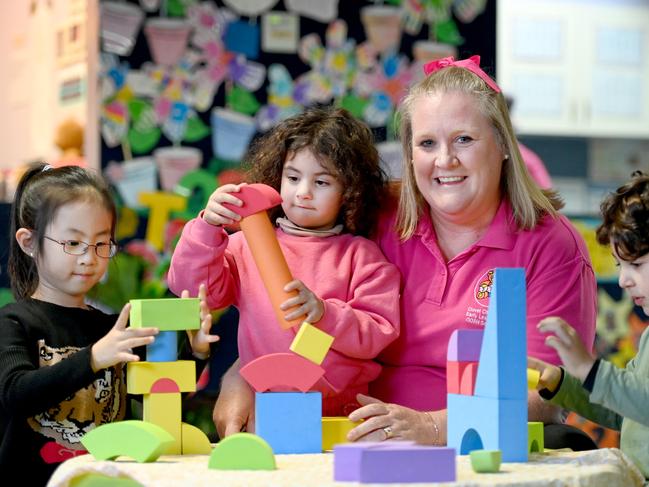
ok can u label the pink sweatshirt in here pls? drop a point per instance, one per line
(439, 297)
(359, 287)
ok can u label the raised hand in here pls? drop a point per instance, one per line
(576, 359)
(201, 339)
(306, 303)
(118, 344)
(217, 214)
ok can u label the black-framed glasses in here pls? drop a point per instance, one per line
(105, 250)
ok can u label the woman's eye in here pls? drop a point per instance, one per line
(464, 139)
(73, 243)
(426, 143)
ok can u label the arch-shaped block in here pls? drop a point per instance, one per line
(242, 451)
(535, 437)
(281, 372)
(194, 441)
(140, 440)
(464, 345)
(164, 385)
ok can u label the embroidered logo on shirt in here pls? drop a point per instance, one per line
(483, 288)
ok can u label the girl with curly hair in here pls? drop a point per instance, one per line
(326, 168)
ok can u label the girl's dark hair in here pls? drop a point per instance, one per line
(42, 190)
(625, 216)
(342, 144)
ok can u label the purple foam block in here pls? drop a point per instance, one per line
(408, 464)
(464, 345)
(347, 457)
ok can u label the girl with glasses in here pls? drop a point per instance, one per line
(61, 360)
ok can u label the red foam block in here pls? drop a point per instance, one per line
(281, 372)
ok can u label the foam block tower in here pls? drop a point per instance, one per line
(494, 415)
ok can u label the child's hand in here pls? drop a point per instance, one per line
(200, 339)
(550, 374)
(308, 303)
(118, 344)
(217, 214)
(576, 359)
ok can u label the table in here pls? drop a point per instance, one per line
(606, 467)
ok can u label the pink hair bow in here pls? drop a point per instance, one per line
(472, 64)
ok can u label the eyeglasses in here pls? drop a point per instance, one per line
(105, 250)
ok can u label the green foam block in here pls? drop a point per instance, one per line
(140, 440)
(242, 451)
(486, 461)
(167, 314)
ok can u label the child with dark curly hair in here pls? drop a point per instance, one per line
(596, 389)
(326, 168)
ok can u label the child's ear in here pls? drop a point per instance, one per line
(25, 239)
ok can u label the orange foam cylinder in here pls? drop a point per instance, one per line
(270, 261)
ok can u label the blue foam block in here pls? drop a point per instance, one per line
(164, 348)
(486, 423)
(291, 422)
(502, 372)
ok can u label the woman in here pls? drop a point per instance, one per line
(467, 205)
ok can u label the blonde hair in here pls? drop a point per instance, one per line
(529, 202)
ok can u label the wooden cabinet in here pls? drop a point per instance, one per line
(575, 67)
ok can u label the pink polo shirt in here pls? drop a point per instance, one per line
(439, 297)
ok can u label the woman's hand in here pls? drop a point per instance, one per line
(385, 421)
(576, 359)
(550, 374)
(201, 339)
(118, 344)
(234, 410)
(217, 214)
(305, 303)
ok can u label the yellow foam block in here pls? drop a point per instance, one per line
(164, 410)
(533, 377)
(140, 376)
(194, 441)
(160, 206)
(334, 430)
(311, 343)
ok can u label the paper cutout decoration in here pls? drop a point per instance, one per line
(167, 39)
(382, 25)
(251, 8)
(195, 129)
(332, 67)
(120, 23)
(174, 162)
(448, 32)
(197, 187)
(242, 101)
(132, 178)
(231, 133)
(320, 10)
(242, 38)
(114, 122)
(285, 98)
(160, 206)
(280, 32)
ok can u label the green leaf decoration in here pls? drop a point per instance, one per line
(136, 106)
(143, 142)
(178, 8)
(242, 101)
(196, 130)
(448, 33)
(354, 105)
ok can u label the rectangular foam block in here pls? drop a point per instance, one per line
(486, 423)
(164, 348)
(464, 345)
(168, 314)
(334, 430)
(535, 437)
(460, 377)
(291, 422)
(164, 410)
(393, 462)
(141, 376)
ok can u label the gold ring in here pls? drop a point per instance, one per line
(388, 432)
